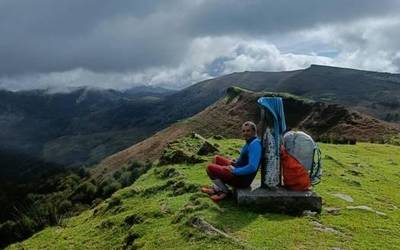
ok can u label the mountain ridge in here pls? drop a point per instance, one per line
(76, 124)
(224, 117)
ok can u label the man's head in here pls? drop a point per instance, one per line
(249, 130)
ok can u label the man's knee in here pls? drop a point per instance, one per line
(214, 160)
(210, 170)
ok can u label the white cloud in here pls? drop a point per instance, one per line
(232, 54)
(369, 44)
(181, 42)
(262, 56)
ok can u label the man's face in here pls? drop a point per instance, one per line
(247, 132)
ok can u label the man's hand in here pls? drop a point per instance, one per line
(231, 168)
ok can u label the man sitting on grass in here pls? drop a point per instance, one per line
(239, 173)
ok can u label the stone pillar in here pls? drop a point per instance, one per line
(270, 168)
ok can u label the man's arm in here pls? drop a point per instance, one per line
(254, 160)
(239, 159)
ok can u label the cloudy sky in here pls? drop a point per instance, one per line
(174, 43)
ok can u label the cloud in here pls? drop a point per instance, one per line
(47, 36)
(204, 56)
(370, 43)
(61, 43)
(262, 17)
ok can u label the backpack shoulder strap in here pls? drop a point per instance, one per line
(315, 172)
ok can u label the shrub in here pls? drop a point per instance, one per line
(7, 233)
(85, 193)
(65, 206)
(127, 178)
(110, 188)
(83, 173)
(117, 175)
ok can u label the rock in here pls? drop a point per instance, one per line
(207, 148)
(319, 227)
(309, 213)
(280, 200)
(345, 197)
(332, 210)
(207, 228)
(366, 208)
(197, 136)
(380, 213)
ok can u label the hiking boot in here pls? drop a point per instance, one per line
(218, 196)
(208, 190)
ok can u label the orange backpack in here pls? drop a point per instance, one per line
(295, 175)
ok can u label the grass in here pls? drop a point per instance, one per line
(164, 210)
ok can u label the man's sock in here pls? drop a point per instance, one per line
(220, 186)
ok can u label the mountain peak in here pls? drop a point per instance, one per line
(341, 69)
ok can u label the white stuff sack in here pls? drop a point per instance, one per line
(301, 146)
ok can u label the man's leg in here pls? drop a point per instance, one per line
(220, 160)
(216, 173)
(219, 186)
(219, 176)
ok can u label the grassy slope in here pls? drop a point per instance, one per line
(162, 208)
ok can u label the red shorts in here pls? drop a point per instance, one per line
(220, 170)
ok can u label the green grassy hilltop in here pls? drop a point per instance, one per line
(163, 209)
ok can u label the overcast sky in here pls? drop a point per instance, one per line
(119, 44)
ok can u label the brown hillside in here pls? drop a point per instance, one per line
(225, 116)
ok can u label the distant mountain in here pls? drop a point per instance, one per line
(373, 93)
(197, 97)
(79, 127)
(154, 91)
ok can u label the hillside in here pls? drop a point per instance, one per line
(77, 127)
(197, 97)
(82, 127)
(323, 121)
(163, 209)
(20, 175)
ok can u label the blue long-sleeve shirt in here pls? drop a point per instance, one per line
(249, 158)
